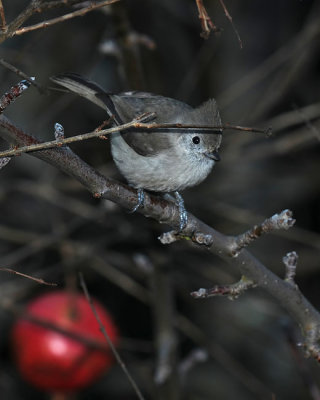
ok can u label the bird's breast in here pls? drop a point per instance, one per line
(167, 171)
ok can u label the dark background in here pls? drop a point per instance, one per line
(51, 227)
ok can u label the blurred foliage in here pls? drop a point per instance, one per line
(51, 227)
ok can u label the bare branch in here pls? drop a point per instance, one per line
(108, 340)
(3, 18)
(38, 280)
(22, 17)
(290, 261)
(231, 291)
(28, 316)
(20, 73)
(283, 220)
(193, 331)
(65, 17)
(206, 23)
(36, 146)
(266, 131)
(13, 94)
(135, 124)
(227, 14)
(300, 361)
(167, 212)
(205, 128)
(38, 6)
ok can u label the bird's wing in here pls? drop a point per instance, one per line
(130, 105)
(127, 106)
(166, 109)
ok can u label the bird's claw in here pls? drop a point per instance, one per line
(140, 201)
(183, 215)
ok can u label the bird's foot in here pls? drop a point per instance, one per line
(140, 201)
(183, 215)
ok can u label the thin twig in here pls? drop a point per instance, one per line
(3, 18)
(231, 291)
(266, 131)
(227, 14)
(282, 220)
(105, 334)
(22, 74)
(21, 18)
(102, 264)
(63, 18)
(35, 6)
(206, 23)
(61, 142)
(133, 125)
(38, 280)
(90, 343)
(205, 128)
(14, 92)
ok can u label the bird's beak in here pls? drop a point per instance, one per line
(214, 155)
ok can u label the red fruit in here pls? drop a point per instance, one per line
(52, 360)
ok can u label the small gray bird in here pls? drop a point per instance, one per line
(160, 161)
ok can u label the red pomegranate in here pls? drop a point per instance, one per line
(58, 345)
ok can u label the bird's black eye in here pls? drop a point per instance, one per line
(196, 139)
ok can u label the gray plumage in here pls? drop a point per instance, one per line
(156, 161)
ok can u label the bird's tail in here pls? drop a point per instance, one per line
(89, 90)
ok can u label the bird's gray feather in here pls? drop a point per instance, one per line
(127, 106)
(131, 105)
(154, 160)
(85, 88)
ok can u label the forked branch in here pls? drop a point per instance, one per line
(254, 273)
